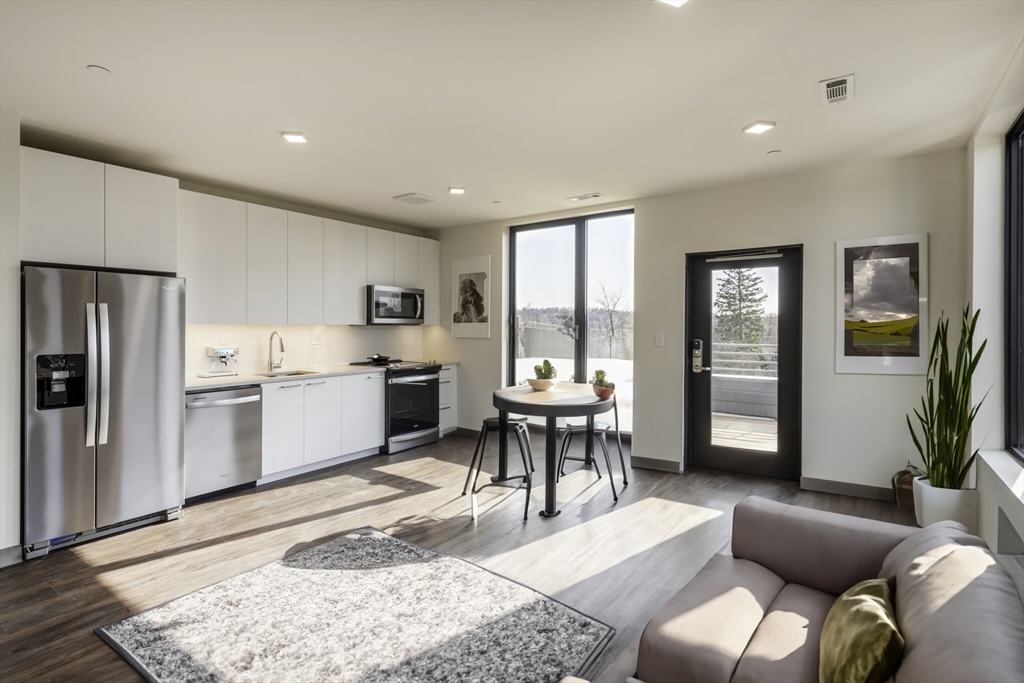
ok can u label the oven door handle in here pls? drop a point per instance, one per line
(415, 379)
(414, 435)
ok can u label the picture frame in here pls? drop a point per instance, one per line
(882, 305)
(471, 297)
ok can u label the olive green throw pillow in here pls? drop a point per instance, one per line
(859, 640)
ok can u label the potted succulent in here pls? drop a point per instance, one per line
(602, 387)
(546, 374)
(946, 417)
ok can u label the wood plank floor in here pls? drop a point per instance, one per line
(617, 563)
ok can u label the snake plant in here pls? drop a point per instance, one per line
(946, 413)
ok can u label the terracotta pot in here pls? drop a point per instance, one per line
(542, 384)
(935, 505)
(603, 392)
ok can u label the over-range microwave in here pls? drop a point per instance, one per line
(393, 305)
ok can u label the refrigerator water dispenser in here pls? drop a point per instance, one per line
(60, 381)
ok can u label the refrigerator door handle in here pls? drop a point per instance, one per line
(104, 374)
(92, 378)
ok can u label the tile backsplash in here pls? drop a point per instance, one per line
(339, 344)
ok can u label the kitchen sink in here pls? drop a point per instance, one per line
(286, 373)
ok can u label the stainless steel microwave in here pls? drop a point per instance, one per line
(393, 305)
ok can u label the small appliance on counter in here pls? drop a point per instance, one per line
(220, 354)
(393, 305)
(412, 402)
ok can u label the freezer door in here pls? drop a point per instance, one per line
(59, 465)
(141, 434)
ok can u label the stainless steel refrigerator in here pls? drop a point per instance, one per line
(102, 403)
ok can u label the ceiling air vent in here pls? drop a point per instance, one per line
(836, 90)
(584, 197)
(414, 198)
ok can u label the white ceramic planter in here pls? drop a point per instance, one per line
(541, 384)
(935, 505)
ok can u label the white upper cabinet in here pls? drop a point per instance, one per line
(429, 279)
(380, 257)
(62, 213)
(344, 273)
(141, 220)
(407, 260)
(211, 258)
(266, 265)
(305, 269)
(85, 213)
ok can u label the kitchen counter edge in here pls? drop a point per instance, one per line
(194, 384)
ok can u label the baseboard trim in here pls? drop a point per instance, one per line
(846, 489)
(462, 431)
(652, 464)
(9, 556)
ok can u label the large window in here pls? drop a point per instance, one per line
(571, 290)
(1015, 288)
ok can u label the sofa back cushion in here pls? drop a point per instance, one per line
(956, 607)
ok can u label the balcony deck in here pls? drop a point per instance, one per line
(741, 431)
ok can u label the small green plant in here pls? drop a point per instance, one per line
(546, 370)
(600, 380)
(947, 414)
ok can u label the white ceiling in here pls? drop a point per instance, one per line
(523, 102)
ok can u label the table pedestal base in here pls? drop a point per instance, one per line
(545, 513)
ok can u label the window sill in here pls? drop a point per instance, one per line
(1009, 471)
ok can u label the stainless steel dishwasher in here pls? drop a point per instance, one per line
(223, 439)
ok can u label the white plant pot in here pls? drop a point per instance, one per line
(935, 505)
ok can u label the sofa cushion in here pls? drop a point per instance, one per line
(957, 608)
(785, 645)
(701, 632)
(859, 641)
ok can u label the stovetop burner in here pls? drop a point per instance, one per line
(398, 364)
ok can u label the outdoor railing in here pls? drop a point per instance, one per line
(745, 360)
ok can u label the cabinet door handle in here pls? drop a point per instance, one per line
(313, 384)
(288, 386)
(445, 408)
(446, 381)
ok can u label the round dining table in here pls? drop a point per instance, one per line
(564, 399)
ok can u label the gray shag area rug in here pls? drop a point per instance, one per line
(364, 607)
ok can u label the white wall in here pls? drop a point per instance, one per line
(853, 425)
(10, 335)
(339, 344)
(1000, 478)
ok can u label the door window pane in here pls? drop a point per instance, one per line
(545, 297)
(744, 358)
(610, 307)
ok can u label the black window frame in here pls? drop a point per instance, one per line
(1015, 289)
(580, 285)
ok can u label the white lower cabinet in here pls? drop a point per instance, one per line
(448, 399)
(362, 412)
(283, 426)
(322, 419)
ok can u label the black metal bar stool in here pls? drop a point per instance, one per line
(600, 432)
(518, 427)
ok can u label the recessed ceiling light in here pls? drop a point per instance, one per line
(774, 151)
(674, 3)
(496, 201)
(758, 127)
(294, 137)
(97, 69)
(457, 190)
(584, 197)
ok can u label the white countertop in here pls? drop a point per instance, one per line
(198, 383)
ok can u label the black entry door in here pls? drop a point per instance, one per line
(743, 325)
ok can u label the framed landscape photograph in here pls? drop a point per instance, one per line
(471, 297)
(882, 305)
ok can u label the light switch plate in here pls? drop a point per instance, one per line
(659, 339)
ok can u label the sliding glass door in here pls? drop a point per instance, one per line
(571, 293)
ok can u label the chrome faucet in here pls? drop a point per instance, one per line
(270, 361)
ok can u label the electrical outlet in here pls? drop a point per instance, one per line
(659, 339)
(416, 336)
(317, 339)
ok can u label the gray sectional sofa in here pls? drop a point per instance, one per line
(756, 614)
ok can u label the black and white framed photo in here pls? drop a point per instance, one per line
(882, 305)
(471, 301)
